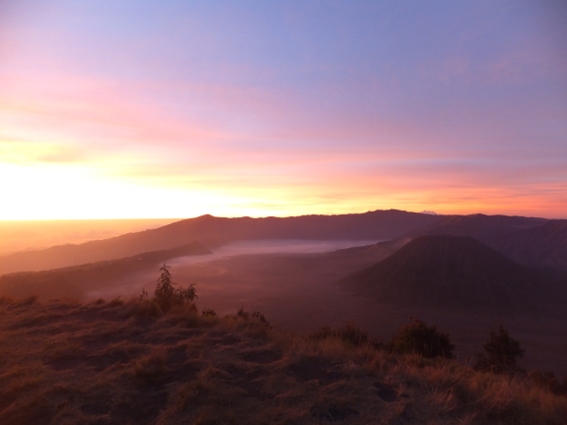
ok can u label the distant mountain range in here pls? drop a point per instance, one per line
(215, 231)
(529, 241)
(454, 272)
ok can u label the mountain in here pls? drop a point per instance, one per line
(489, 229)
(451, 272)
(74, 281)
(544, 245)
(528, 241)
(213, 231)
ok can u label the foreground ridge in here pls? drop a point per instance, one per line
(121, 362)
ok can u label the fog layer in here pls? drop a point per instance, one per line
(186, 269)
(276, 246)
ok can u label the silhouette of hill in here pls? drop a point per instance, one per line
(491, 230)
(480, 226)
(451, 272)
(528, 241)
(73, 281)
(213, 231)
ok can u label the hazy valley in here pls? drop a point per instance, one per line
(465, 274)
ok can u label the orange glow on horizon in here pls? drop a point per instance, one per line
(51, 192)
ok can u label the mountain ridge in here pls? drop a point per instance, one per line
(215, 231)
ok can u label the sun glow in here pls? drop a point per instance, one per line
(73, 192)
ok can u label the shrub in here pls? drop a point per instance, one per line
(502, 353)
(259, 317)
(349, 334)
(241, 314)
(208, 312)
(167, 295)
(419, 338)
(254, 318)
(116, 302)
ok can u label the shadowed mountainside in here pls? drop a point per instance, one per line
(528, 241)
(73, 281)
(544, 245)
(453, 272)
(213, 231)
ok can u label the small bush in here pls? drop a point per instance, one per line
(419, 338)
(208, 312)
(349, 334)
(241, 314)
(502, 353)
(116, 302)
(259, 317)
(144, 296)
(167, 295)
(255, 318)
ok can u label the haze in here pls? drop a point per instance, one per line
(28, 235)
(216, 293)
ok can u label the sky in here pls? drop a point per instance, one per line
(141, 109)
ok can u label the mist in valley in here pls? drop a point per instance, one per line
(294, 284)
(239, 273)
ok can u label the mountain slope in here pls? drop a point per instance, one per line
(544, 245)
(215, 230)
(75, 281)
(452, 272)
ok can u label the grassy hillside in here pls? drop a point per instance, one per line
(128, 363)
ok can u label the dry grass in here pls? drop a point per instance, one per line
(124, 362)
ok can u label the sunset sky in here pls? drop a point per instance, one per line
(139, 109)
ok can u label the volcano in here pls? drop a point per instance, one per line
(452, 272)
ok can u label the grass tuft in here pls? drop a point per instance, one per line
(150, 368)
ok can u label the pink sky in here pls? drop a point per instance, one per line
(139, 109)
